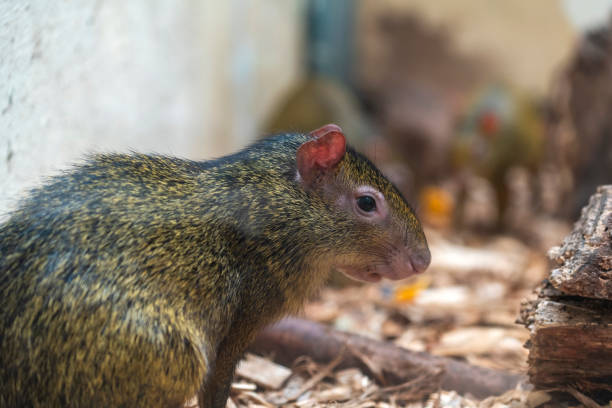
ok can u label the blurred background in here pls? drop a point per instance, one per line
(488, 115)
(494, 118)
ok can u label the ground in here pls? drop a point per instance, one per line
(465, 306)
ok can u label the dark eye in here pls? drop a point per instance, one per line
(366, 203)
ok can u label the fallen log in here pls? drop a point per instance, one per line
(389, 364)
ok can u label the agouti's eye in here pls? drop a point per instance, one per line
(366, 203)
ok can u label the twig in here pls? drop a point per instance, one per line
(314, 380)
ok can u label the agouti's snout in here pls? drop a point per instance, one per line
(420, 259)
(407, 263)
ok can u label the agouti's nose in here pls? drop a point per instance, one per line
(420, 259)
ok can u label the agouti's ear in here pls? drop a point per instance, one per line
(322, 153)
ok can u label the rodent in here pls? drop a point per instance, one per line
(138, 280)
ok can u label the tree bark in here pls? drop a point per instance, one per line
(571, 320)
(585, 258)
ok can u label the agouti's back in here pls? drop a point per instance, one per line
(138, 280)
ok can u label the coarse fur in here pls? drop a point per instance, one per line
(138, 280)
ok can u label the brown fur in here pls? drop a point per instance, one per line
(137, 280)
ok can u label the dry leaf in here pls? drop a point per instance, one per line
(263, 372)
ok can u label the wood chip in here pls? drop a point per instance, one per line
(341, 393)
(243, 386)
(321, 311)
(261, 402)
(353, 377)
(263, 372)
(450, 296)
(537, 398)
(409, 341)
(481, 340)
(505, 260)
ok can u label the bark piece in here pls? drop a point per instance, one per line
(571, 341)
(570, 323)
(292, 338)
(585, 258)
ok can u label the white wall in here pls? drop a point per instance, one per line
(188, 78)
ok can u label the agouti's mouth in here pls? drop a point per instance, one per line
(396, 268)
(361, 274)
(376, 274)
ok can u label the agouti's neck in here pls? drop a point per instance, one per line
(273, 222)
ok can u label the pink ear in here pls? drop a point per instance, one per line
(321, 153)
(323, 130)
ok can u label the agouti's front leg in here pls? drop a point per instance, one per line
(216, 390)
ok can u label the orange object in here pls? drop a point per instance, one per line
(438, 206)
(407, 293)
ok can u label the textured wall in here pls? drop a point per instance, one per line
(189, 78)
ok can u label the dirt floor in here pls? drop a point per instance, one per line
(465, 306)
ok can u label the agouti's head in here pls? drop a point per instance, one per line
(378, 235)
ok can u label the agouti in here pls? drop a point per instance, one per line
(138, 280)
